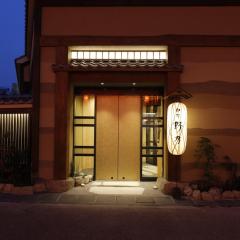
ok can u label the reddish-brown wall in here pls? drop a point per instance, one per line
(47, 121)
(139, 21)
(212, 76)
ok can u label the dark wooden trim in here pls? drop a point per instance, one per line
(177, 40)
(103, 40)
(62, 98)
(174, 55)
(119, 91)
(16, 110)
(136, 3)
(69, 68)
(35, 79)
(61, 55)
(214, 132)
(61, 125)
(173, 161)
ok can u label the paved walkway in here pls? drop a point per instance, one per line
(101, 193)
(107, 193)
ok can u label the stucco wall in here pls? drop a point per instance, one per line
(46, 128)
(139, 21)
(212, 75)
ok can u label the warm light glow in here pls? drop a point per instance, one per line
(177, 128)
(146, 99)
(85, 97)
(163, 55)
(132, 53)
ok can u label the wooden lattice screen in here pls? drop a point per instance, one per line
(15, 149)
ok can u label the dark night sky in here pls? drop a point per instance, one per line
(11, 38)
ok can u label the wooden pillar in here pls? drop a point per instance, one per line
(62, 94)
(61, 125)
(173, 82)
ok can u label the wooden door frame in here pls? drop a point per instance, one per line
(68, 76)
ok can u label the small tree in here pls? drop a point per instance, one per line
(205, 150)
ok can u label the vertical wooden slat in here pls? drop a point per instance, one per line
(14, 131)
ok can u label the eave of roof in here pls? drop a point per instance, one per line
(18, 99)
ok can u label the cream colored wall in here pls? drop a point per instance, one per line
(46, 127)
(147, 21)
(212, 76)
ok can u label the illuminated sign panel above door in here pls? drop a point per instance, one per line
(118, 56)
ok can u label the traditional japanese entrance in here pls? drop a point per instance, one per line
(118, 137)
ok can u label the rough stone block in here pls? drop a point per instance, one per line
(215, 192)
(86, 179)
(79, 180)
(236, 194)
(196, 195)
(228, 195)
(187, 191)
(60, 185)
(160, 183)
(182, 185)
(206, 196)
(26, 190)
(168, 187)
(1, 186)
(8, 188)
(39, 187)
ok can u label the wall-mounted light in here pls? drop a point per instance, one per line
(177, 128)
(146, 99)
(85, 97)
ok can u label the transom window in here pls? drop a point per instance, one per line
(118, 56)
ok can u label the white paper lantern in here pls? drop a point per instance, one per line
(177, 128)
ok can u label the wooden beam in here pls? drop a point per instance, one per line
(69, 68)
(178, 40)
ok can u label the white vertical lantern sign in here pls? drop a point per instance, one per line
(177, 128)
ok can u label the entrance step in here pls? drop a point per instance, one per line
(116, 183)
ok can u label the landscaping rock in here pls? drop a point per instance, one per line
(228, 195)
(1, 186)
(168, 188)
(86, 179)
(39, 187)
(215, 192)
(26, 190)
(79, 180)
(188, 191)
(7, 188)
(60, 185)
(194, 186)
(196, 195)
(182, 185)
(90, 178)
(236, 194)
(160, 183)
(206, 196)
